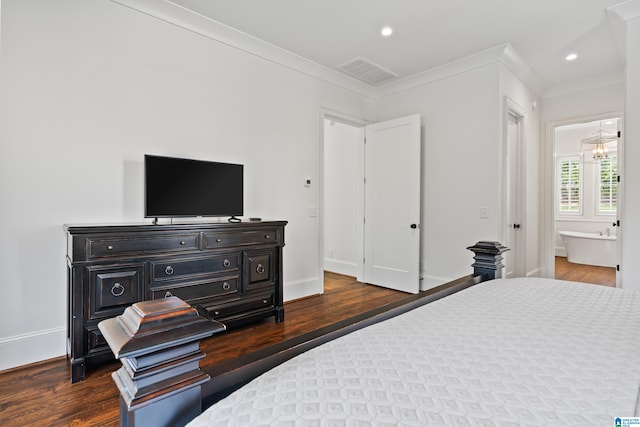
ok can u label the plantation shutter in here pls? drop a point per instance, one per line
(570, 188)
(608, 185)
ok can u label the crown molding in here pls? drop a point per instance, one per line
(504, 53)
(171, 13)
(179, 16)
(584, 84)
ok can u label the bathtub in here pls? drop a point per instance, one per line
(590, 248)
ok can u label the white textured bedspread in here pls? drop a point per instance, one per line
(502, 353)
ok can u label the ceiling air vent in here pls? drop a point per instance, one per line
(367, 71)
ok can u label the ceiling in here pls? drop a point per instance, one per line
(430, 33)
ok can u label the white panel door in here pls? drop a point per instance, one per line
(392, 204)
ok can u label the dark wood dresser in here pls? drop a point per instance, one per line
(233, 271)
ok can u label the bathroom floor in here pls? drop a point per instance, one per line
(566, 270)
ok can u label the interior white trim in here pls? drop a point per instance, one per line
(303, 288)
(33, 347)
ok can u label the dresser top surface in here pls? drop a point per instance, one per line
(175, 226)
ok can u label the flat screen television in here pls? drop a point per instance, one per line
(176, 187)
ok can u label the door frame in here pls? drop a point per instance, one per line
(511, 108)
(548, 223)
(358, 122)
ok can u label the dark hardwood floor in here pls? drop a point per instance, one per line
(566, 270)
(42, 395)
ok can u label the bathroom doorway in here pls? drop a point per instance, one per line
(586, 195)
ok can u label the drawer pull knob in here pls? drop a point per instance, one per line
(264, 301)
(267, 236)
(218, 240)
(226, 286)
(117, 289)
(168, 270)
(260, 269)
(226, 263)
(109, 247)
(182, 242)
(216, 313)
(168, 294)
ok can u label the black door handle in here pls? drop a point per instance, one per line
(516, 225)
(414, 225)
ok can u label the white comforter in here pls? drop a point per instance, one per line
(507, 352)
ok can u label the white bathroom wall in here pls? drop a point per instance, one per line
(87, 87)
(342, 144)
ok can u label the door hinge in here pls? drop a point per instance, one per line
(617, 267)
(618, 178)
(619, 134)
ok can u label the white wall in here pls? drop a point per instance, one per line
(630, 226)
(342, 144)
(87, 87)
(460, 166)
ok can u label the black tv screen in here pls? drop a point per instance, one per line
(176, 187)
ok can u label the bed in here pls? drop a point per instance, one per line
(526, 351)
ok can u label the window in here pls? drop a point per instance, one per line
(608, 186)
(570, 180)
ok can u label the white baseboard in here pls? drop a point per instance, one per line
(430, 282)
(536, 272)
(302, 288)
(341, 267)
(561, 251)
(34, 347)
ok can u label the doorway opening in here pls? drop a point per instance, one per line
(586, 196)
(370, 201)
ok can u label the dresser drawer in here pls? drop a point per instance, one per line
(112, 288)
(114, 246)
(259, 268)
(193, 267)
(244, 305)
(196, 292)
(225, 239)
(95, 341)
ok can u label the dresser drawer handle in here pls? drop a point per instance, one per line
(226, 286)
(218, 240)
(216, 313)
(264, 301)
(183, 242)
(267, 236)
(109, 247)
(168, 294)
(226, 263)
(117, 289)
(260, 269)
(168, 270)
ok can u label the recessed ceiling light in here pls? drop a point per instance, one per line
(571, 57)
(386, 31)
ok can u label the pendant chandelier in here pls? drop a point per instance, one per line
(594, 147)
